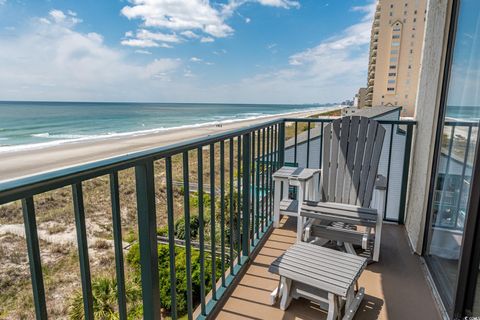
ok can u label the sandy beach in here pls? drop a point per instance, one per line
(23, 163)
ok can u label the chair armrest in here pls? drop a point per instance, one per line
(381, 182)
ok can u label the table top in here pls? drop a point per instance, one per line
(323, 268)
(295, 173)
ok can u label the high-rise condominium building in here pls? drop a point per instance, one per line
(395, 52)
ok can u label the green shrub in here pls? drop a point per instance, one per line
(162, 231)
(180, 227)
(133, 258)
(105, 306)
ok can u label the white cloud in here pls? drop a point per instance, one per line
(247, 20)
(140, 51)
(280, 3)
(193, 17)
(142, 43)
(179, 15)
(50, 60)
(207, 39)
(189, 34)
(157, 36)
(195, 59)
(2, 2)
(60, 17)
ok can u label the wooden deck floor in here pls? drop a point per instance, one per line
(395, 287)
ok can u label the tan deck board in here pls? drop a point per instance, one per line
(395, 287)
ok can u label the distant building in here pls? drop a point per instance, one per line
(360, 98)
(395, 52)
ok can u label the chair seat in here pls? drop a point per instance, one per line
(339, 212)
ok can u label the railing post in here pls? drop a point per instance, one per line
(117, 239)
(147, 236)
(34, 258)
(246, 195)
(406, 168)
(83, 250)
(281, 144)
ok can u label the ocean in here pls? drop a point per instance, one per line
(28, 125)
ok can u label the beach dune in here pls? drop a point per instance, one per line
(23, 163)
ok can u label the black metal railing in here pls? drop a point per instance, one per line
(238, 168)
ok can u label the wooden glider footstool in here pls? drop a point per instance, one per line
(325, 276)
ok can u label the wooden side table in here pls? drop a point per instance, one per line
(303, 178)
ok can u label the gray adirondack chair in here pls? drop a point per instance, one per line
(351, 155)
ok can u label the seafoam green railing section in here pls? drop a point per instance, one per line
(236, 169)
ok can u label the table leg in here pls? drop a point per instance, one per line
(286, 298)
(332, 307)
(300, 219)
(276, 204)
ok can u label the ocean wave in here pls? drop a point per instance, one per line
(60, 136)
(60, 139)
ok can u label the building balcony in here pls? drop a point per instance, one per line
(224, 182)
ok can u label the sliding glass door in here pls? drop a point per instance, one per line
(455, 152)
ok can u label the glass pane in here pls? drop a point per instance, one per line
(458, 140)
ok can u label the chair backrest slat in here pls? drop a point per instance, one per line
(342, 158)
(351, 154)
(357, 166)
(335, 142)
(327, 138)
(352, 146)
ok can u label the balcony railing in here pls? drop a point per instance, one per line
(238, 168)
(454, 170)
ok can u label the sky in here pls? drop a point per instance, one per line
(230, 51)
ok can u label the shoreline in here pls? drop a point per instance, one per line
(129, 134)
(28, 162)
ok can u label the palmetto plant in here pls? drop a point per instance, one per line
(104, 293)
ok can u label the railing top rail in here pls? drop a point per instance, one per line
(27, 186)
(326, 120)
(23, 187)
(461, 123)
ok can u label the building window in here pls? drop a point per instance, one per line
(413, 35)
(393, 59)
(406, 4)
(394, 51)
(404, 13)
(406, 96)
(391, 14)
(392, 74)
(391, 6)
(395, 44)
(409, 66)
(415, 12)
(404, 20)
(396, 29)
(396, 36)
(393, 67)
(390, 89)
(411, 51)
(414, 19)
(391, 81)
